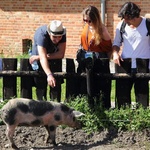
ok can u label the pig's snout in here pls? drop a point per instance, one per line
(79, 125)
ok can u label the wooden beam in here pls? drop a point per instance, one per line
(68, 75)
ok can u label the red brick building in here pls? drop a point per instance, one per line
(20, 18)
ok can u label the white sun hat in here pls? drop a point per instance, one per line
(56, 28)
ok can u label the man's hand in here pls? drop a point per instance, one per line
(33, 58)
(51, 80)
(117, 58)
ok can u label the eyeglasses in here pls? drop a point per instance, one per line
(87, 21)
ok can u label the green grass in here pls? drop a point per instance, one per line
(63, 87)
(112, 92)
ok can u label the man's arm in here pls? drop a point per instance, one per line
(57, 55)
(116, 46)
(45, 65)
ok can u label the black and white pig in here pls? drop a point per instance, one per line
(27, 112)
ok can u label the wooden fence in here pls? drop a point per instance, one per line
(10, 72)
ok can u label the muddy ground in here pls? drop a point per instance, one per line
(33, 138)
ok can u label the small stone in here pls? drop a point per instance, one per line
(7, 145)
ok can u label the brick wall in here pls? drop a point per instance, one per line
(20, 18)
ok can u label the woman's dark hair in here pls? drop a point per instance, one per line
(130, 10)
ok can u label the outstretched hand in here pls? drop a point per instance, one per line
(117, 58)
(51, 81)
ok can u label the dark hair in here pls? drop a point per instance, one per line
(129, 10)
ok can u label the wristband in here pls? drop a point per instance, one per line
(50, 74)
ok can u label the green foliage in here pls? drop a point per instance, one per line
(24, 55)
(92, 119)
(132, 119)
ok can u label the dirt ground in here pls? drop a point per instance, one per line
(33, 138)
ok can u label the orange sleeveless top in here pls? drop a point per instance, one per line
(104, 46)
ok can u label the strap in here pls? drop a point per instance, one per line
(148, 26)
(122, 30)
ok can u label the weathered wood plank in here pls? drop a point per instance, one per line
(26, 81)
(55, 93)
(9, 82)
(69, 75)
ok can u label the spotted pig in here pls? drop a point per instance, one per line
(27, 112)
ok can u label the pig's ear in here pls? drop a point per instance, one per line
(78, 113)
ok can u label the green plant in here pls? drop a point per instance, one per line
(98, 118)
(91, 119)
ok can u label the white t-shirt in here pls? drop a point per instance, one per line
(136, 43)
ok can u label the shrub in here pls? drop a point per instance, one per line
(122, 119)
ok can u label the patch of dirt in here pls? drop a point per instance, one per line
(33, 138)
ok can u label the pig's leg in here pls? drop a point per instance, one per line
(51, 134)
(9, 133)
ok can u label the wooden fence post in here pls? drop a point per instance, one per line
(70, 82)
(122, 84)
(26, 81)
(9, 82)
(142, 65)
(89, 82)
(142, 84)
(56, 66)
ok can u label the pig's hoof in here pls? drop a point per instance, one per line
(14, 146)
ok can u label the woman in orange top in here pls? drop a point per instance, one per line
(95, 38)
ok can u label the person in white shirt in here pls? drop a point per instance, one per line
(134, 43)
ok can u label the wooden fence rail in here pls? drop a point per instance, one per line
(66, 75)
(10, 72)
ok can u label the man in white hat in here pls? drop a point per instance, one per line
(49, 43)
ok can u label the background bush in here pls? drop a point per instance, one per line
(127, 118)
